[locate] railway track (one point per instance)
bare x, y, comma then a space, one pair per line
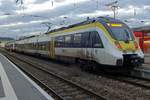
130, 79
60, 88
145, 83
137, 81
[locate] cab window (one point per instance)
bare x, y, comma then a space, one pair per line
96, 41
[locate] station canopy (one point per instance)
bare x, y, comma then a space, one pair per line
145, 29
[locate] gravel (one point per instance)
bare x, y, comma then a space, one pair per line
111, 89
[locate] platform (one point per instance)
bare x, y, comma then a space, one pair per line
147, 59
15, 85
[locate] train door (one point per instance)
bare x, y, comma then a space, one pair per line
98, 51
86, 42
52, 48
89, 49
95, 46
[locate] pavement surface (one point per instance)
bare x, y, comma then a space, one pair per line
2, 94
15, 85
147, 59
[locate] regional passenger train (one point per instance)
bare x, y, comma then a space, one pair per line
102, 40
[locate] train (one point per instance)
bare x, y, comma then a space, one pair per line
97, 41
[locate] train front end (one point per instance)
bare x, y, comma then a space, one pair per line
125, 48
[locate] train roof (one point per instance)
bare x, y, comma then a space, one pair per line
22, 38
102, 20
142, 29
88, 21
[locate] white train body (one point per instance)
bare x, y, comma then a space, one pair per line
98, 46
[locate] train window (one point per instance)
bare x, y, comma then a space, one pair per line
96, 40
121, 33
40, 46
43, 46
68, 40
47, 45
85, 39
37, 46
77, 40
59, 41
30, 45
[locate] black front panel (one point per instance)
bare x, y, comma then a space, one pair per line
132, 60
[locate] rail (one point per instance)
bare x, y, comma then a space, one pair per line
86, 91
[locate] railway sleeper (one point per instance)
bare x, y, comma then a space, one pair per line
70, 89
59, 91
84, 97
67, 98
76, 93
66, 87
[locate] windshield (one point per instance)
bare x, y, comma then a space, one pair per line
121, 33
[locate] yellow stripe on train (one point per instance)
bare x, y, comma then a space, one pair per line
125, 46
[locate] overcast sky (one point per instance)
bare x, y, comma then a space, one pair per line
21, 20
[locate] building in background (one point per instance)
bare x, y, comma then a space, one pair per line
143, 37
